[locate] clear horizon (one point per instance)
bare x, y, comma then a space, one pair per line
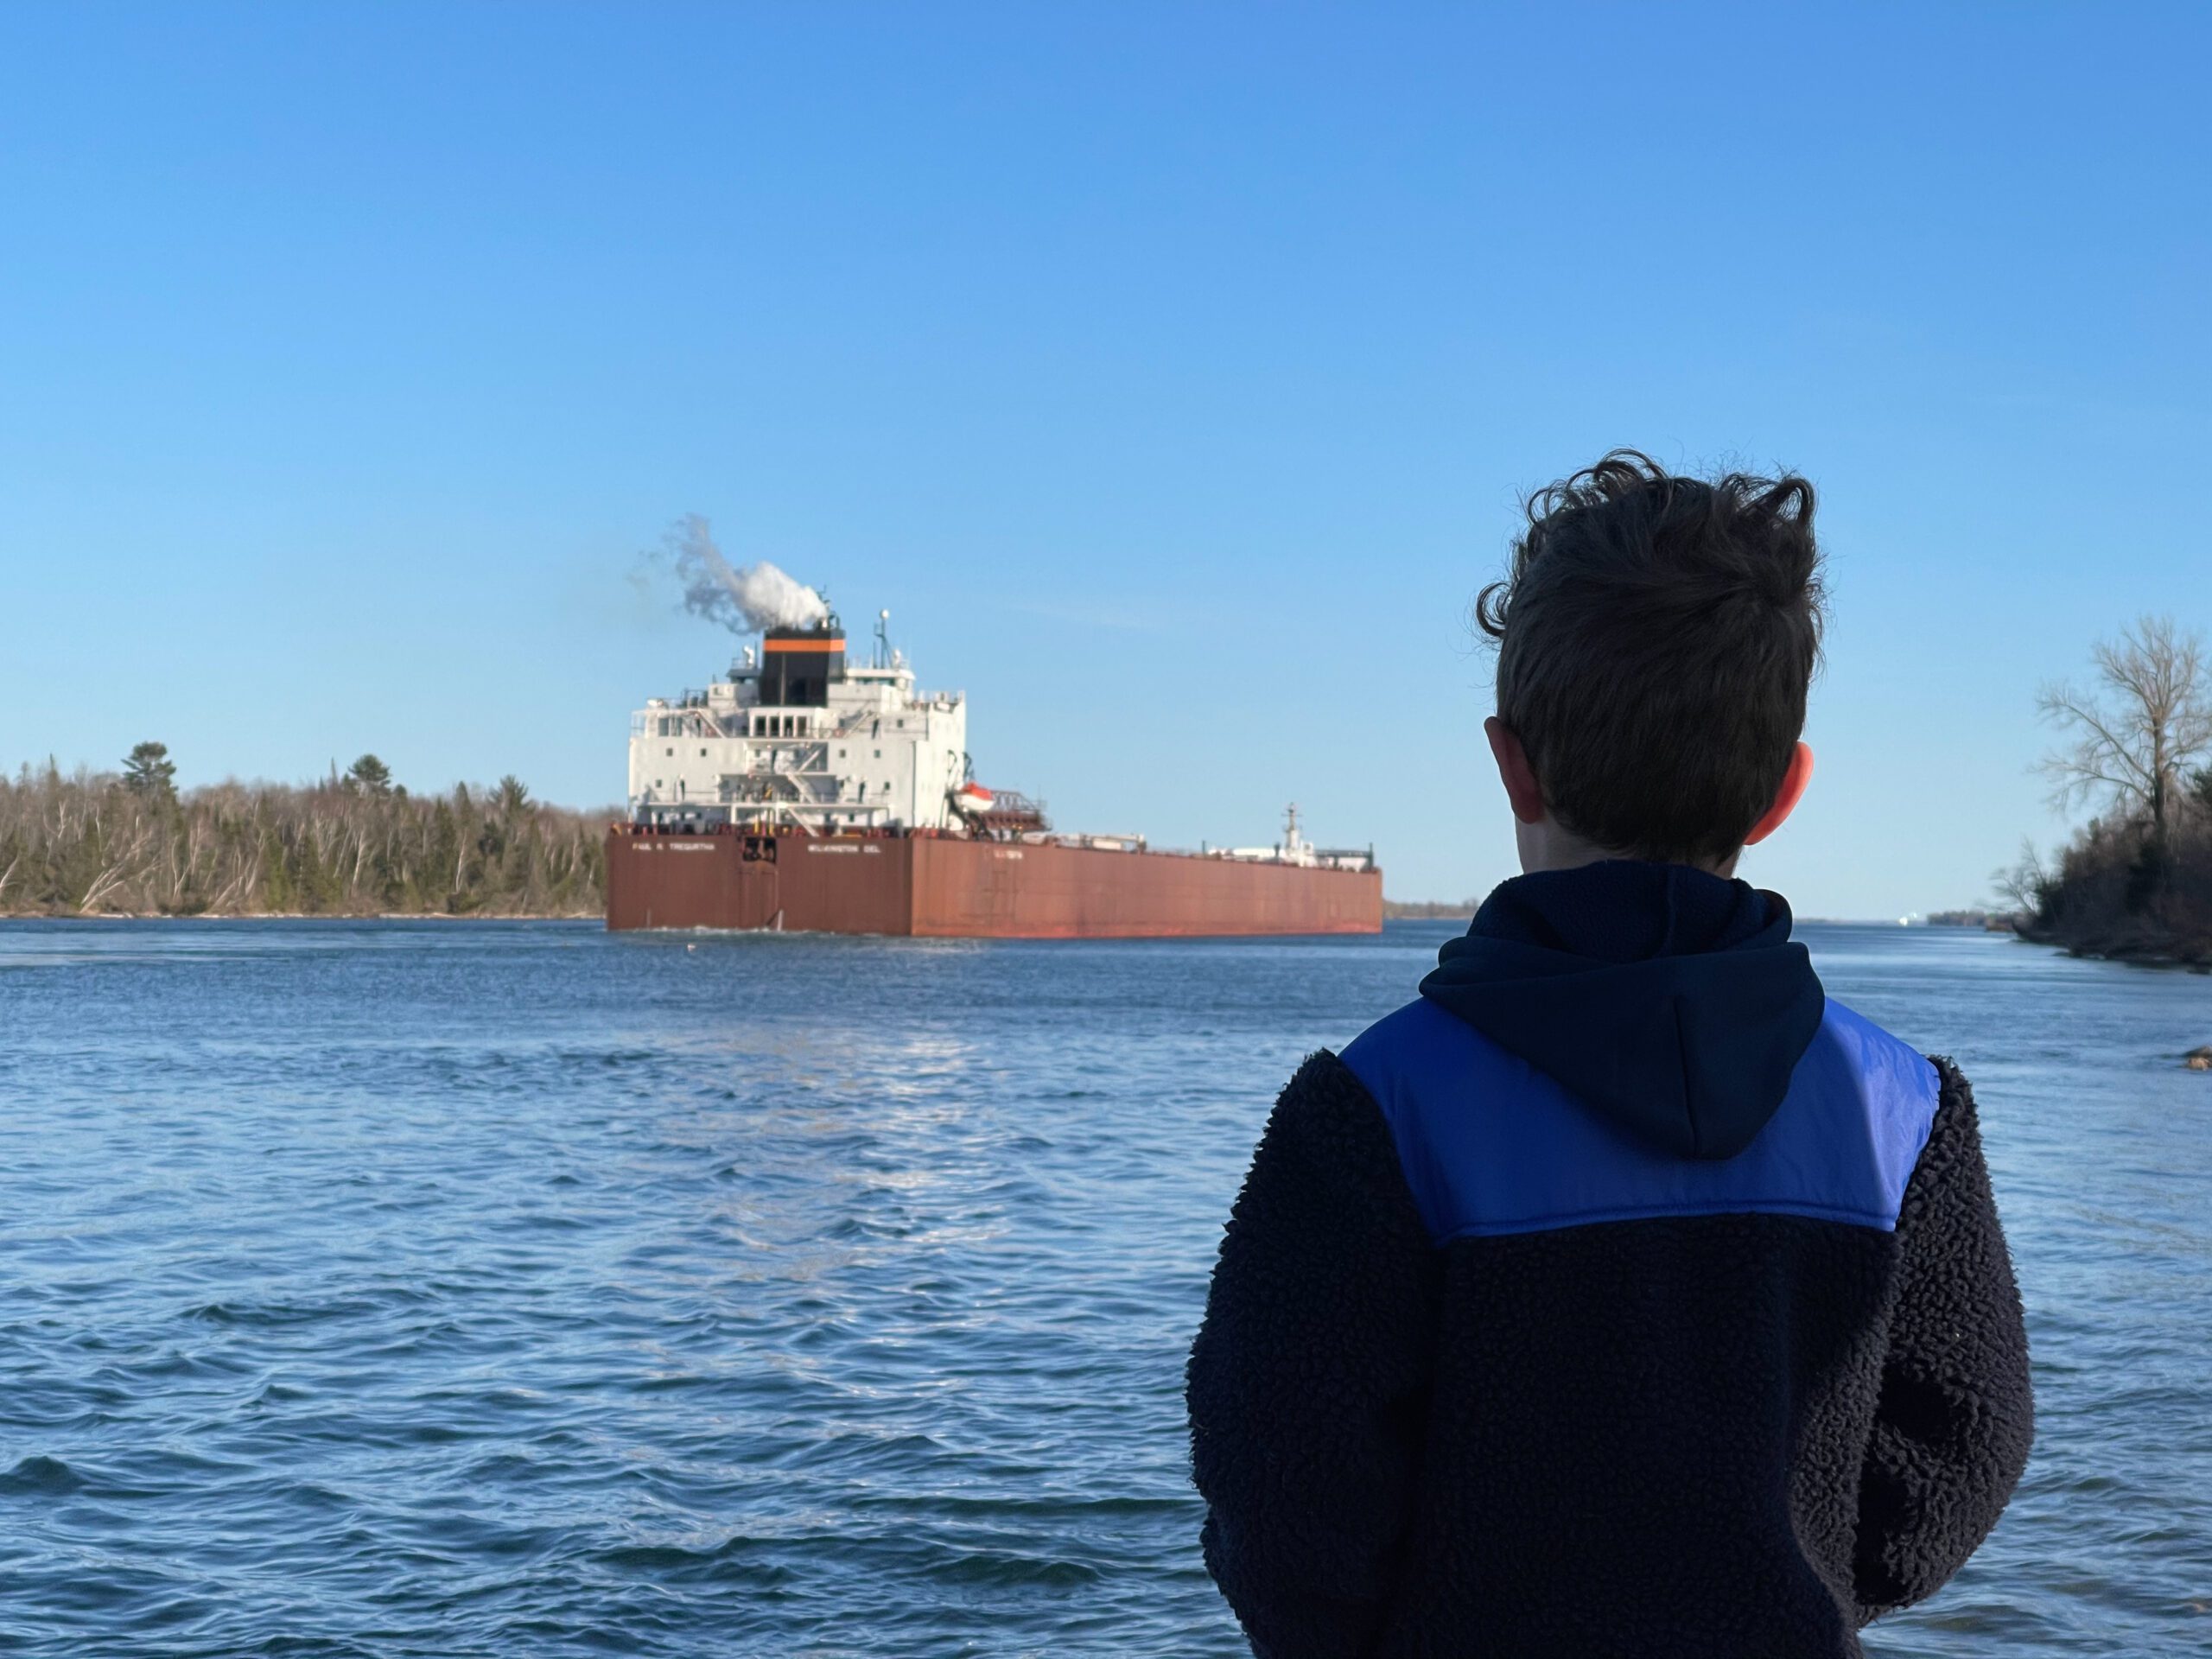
1171, 376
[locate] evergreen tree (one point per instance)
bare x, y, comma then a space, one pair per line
150, 772
369, 776
278, 890
440, 851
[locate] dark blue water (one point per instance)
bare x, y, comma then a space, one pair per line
511, 1290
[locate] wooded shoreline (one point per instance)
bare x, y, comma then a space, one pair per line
104, 844
93, 918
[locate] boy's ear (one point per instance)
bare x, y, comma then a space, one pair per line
1513, 770
1786, 797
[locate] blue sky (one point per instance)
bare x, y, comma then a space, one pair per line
1172, 372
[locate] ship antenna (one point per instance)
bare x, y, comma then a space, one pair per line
882, 658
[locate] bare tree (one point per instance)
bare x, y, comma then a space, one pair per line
2139, 733
2027, 884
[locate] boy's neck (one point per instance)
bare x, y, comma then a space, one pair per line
1545, 845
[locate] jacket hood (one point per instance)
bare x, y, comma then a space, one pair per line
1672, 1000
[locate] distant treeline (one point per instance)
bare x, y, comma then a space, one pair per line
2137, 881
1427, 910
131, 843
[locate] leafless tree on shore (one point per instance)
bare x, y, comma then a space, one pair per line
2136, 737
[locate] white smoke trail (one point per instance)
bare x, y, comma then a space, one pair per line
745, 599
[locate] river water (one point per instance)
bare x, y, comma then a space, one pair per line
433, 1288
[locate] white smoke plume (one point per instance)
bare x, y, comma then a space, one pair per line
746, 599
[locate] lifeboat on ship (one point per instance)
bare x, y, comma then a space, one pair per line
997, 811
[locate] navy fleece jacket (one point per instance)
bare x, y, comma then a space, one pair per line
1621, 1294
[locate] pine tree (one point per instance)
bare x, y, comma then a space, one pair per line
150, 772
369, 776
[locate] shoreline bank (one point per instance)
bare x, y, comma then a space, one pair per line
2143, 951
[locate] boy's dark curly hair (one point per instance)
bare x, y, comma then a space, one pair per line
1656, 636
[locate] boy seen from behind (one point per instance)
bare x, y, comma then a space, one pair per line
1621, 1294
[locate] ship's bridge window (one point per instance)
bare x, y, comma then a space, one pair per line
879, 755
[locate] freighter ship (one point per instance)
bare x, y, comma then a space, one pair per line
804, 792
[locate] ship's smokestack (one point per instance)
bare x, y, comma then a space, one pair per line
748, 599
799, 664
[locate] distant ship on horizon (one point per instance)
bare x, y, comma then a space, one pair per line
804, 792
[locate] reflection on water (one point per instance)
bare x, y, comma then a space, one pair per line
422, 1288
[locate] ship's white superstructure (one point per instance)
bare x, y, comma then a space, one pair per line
795, 737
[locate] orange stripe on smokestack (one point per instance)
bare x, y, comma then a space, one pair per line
830, 643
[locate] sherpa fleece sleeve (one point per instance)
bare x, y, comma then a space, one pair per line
1955, 1417
1308, 1380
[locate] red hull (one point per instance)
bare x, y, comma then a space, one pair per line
950, 889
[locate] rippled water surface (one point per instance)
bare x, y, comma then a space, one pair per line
513, 1289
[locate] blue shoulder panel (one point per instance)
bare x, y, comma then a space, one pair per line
1490, 1145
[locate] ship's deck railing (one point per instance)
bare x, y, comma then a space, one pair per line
1356, 861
